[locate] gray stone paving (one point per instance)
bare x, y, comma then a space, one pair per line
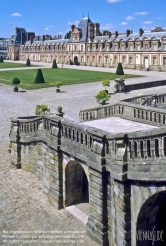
23, 206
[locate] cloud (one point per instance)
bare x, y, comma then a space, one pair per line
141, 13
114, 1
160, 18
47, 29
147, 22
71, 23
130, 17
108, 26
123, 23
16, 14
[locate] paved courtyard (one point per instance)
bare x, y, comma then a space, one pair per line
25, 213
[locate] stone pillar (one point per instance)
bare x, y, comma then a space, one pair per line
97, 221
55, 191
119, 214
15, 143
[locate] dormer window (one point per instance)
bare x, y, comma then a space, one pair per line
164, 46
146, 46
122, 47
154, 47
131, 47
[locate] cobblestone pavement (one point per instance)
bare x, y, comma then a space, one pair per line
23, 205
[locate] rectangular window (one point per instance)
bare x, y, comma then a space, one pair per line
94, 48
87, 59
122, 47
164, 61
131, 47
93, 59
154, 61
124, 59
82, 47
106, 59
75, 48
154, 47
99, 59
115, 60
100, 48
130, 60
115, 47
69, 48
82, 59
88, 48
164, 46
146, 46
138, 46
107, 48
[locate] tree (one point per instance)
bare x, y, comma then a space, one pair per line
41, 108
102, 95
54, 64
28, 63
106, 82
119, 70
15, 82
39, 77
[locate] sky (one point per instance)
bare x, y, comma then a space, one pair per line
55, 17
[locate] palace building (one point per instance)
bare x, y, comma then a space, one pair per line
142, 50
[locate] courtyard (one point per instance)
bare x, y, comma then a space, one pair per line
23, 205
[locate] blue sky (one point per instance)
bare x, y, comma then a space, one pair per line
55, 17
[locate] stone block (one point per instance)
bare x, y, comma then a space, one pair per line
96, 193
96, 200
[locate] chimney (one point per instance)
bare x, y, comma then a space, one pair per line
50, 38
116, 34
72, 28
43, 38
31, 39
38, 37
96, 29
141, 31
109, 34
22, 38
128, 32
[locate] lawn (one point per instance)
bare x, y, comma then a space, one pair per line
12, 65
66, 76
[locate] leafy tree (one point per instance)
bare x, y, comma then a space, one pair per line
102, 95
28, 63
41, 108
54, 64
39, 77
76, 61
58, 84
106, 83
119, 70
16, 82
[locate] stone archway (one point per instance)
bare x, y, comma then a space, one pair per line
76, 184
151, 222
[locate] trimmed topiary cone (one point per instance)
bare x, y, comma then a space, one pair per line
54, 64
119, 70
28, 63
39, 77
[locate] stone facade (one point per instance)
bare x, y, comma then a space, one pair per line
121, 175
142, 50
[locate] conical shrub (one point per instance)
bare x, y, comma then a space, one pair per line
39, 77
54, 64
119, 70
1, 59
28, 63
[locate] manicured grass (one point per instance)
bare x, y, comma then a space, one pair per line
66, 76
13, 65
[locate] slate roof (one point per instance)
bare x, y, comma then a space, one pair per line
48, 42
83, 27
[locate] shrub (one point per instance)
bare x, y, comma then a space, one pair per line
58, 84
71, 63
15, 81
119, 70
102, 95
1, 59
106, 83
76, 61
39, 77
54, 64
41, 108
28, 63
